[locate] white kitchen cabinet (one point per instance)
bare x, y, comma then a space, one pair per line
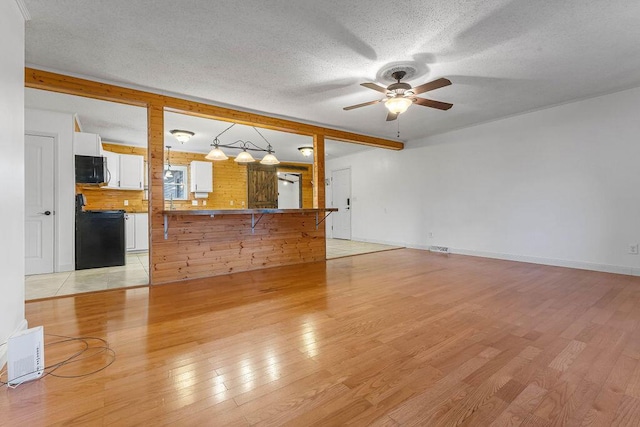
113, 169
131, 172
201, 177
142, 231
126, 171
129, 232
136, 230
87, 144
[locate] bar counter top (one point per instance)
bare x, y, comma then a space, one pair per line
196, 212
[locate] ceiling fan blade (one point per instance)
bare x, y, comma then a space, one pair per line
391, 116
374, 87
364, 104
433, 104
436, 84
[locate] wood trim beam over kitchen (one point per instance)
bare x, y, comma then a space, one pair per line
39, 79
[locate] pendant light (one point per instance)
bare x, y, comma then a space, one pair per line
168, 174
269, 159
244, 157
216, 152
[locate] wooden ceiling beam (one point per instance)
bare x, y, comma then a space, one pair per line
46, 80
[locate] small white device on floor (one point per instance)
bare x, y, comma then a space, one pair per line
25, 356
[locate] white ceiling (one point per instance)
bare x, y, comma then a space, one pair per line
305, 59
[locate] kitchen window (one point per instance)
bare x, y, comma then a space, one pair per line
175, 183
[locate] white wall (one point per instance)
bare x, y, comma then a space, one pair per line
559, 186
12, 316
59, 126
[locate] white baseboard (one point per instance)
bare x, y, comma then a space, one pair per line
380, 242
582, 265
65, 267
23, 326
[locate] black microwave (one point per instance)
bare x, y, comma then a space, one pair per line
91, 170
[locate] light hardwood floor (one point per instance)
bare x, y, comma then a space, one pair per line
402, 337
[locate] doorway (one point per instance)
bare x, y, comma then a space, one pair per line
289, 190
100, 129
341, 199
39, 204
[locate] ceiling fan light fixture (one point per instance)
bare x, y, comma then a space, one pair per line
182, 135
244, 157
216, 154
306, 151
269, 159
398, 104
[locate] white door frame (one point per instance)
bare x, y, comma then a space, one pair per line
56, 201
333, 203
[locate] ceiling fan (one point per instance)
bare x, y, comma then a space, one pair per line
401, 95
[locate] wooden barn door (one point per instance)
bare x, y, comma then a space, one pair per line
263, 186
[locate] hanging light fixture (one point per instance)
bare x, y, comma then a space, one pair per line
168, 174
244, 157
216, 152
182, 135
306, 151
398, 104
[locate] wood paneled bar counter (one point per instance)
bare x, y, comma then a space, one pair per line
203, 243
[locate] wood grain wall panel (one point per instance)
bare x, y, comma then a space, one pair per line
104, 199
229, 183
205, 246
125, 149
155, 123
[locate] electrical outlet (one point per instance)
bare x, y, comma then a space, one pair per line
126, 203
230, 202
633, 249
243, 203
431, 234
204, 203
194, 203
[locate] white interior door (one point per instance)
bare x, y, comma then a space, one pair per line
341, 199
39, 204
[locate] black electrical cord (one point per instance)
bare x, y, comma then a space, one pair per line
74, 358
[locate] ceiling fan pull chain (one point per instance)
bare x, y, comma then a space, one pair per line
398, 127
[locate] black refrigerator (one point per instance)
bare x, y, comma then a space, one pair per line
100, 240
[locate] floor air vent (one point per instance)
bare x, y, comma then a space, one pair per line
439, 249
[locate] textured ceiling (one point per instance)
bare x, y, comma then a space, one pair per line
305, 59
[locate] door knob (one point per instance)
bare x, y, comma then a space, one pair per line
45, 213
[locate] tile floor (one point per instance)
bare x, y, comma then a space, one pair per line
338, 248
134, 273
